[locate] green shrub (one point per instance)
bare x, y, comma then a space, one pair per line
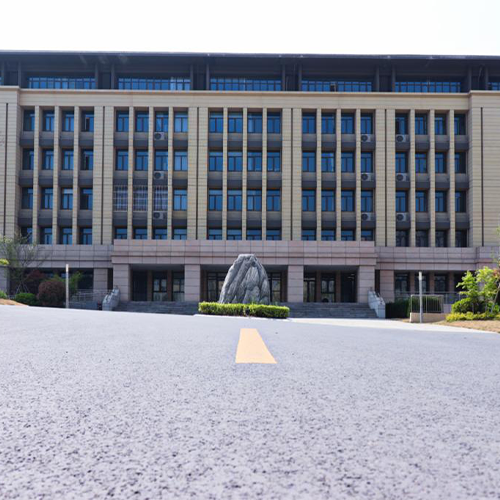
462, 306
258, 310
3, 295
52, 293
470, 316
26, 298
397, 309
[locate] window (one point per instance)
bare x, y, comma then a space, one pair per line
401, 201
234, 234
402, 239
121, 159
86, 198
460, 127
215, 234
61, 82
367, 201
460, 163
367, 162
234, 200
328, 235
255, 123
274, 200
421, 204
366, 124
48, 121
461, 238
420, 124
328, 123
273, 234
141, 161
142, 121
28, 159
161, 160
46, 236
65, 236
181, 122
122, 121
140, 233
160, 198
347, 159
328, 200
180, 199
68, 124
254, 234
87, 121
308, 200
309, 123
87, 159
441, 201
367, 235
120, 233
215, 199
440, 283
347, 201
159, 233
67, 157
152, 83
235, 161
140, 199
27, 199
428, 86
440, 162
308, 234
235, 123
161, 122
401, 163
86, 236
347, 123
254, 161
274, 123
440, 124
347, 235
328, 161
180, 161
401, 283
47, 197
66, 199
421, 163
254, 200
308, 161
242, 83
27, 234
215, 161
460, 201
441, 239
422, 238
273, 161
401, 123
336, 86
216, 123
180, 233
29, 120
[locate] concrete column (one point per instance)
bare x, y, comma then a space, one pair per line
297, 175
98, 175
55, 183
170, 172
387, 285
431, 162
203, 174
357, 169
4, 280
244, 176
412, 208
192, 282
76, 170
319, 185
192, 173
151, 167
286, 176
225, 116
451, 174
122, 279
264, 173
295, 283
366, 282
36, 172
390, 178
338, 174
130, 177
100, 278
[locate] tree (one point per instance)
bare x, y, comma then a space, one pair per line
470, 288
19, 255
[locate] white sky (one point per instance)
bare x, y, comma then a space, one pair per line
276, 26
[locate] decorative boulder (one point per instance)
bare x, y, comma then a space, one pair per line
246, 282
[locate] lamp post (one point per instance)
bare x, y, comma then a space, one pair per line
67, 286
420, 277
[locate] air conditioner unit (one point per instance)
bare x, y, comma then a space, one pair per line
402, 138
367, 138
160, 136
367, 216
159, 176
402, 217
367, 176
160, 215
402, 177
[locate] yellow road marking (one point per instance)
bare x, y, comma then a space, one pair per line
251, 348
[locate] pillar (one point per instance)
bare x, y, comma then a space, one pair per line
192, 282
295, 283
387, 285
122, 276
100, 279
366, 282
4, 281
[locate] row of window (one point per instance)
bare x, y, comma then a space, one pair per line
67, 159
235, 123
422, 124
65, 235
441, 282
66, 198
48, 121
422, 201
422, 238
440, 160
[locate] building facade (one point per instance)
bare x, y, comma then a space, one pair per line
343, 174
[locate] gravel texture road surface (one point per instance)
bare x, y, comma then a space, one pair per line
123, 405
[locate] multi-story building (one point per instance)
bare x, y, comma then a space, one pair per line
152, 172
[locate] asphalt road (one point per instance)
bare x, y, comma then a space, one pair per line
123, 405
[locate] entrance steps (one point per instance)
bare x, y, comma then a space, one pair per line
336, 310
185, 308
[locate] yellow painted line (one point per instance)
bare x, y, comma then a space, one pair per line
252, 349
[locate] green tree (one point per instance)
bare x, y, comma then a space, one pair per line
470, 289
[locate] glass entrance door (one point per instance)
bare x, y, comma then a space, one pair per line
327, 288
275, 287
139, 285
309, 288
215, 281
348, 287
160, 287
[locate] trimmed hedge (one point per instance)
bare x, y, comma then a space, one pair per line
26, 298
3, 295
257, 310
398, 309
470, 316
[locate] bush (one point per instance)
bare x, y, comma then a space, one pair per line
3, 295
470, 316
258, 310
52, 293
462, 306
33, 281
26, 298
398, 309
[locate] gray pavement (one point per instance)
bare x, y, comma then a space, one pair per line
124, 405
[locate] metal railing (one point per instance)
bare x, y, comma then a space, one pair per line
449, 298
431, 303
82, 296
